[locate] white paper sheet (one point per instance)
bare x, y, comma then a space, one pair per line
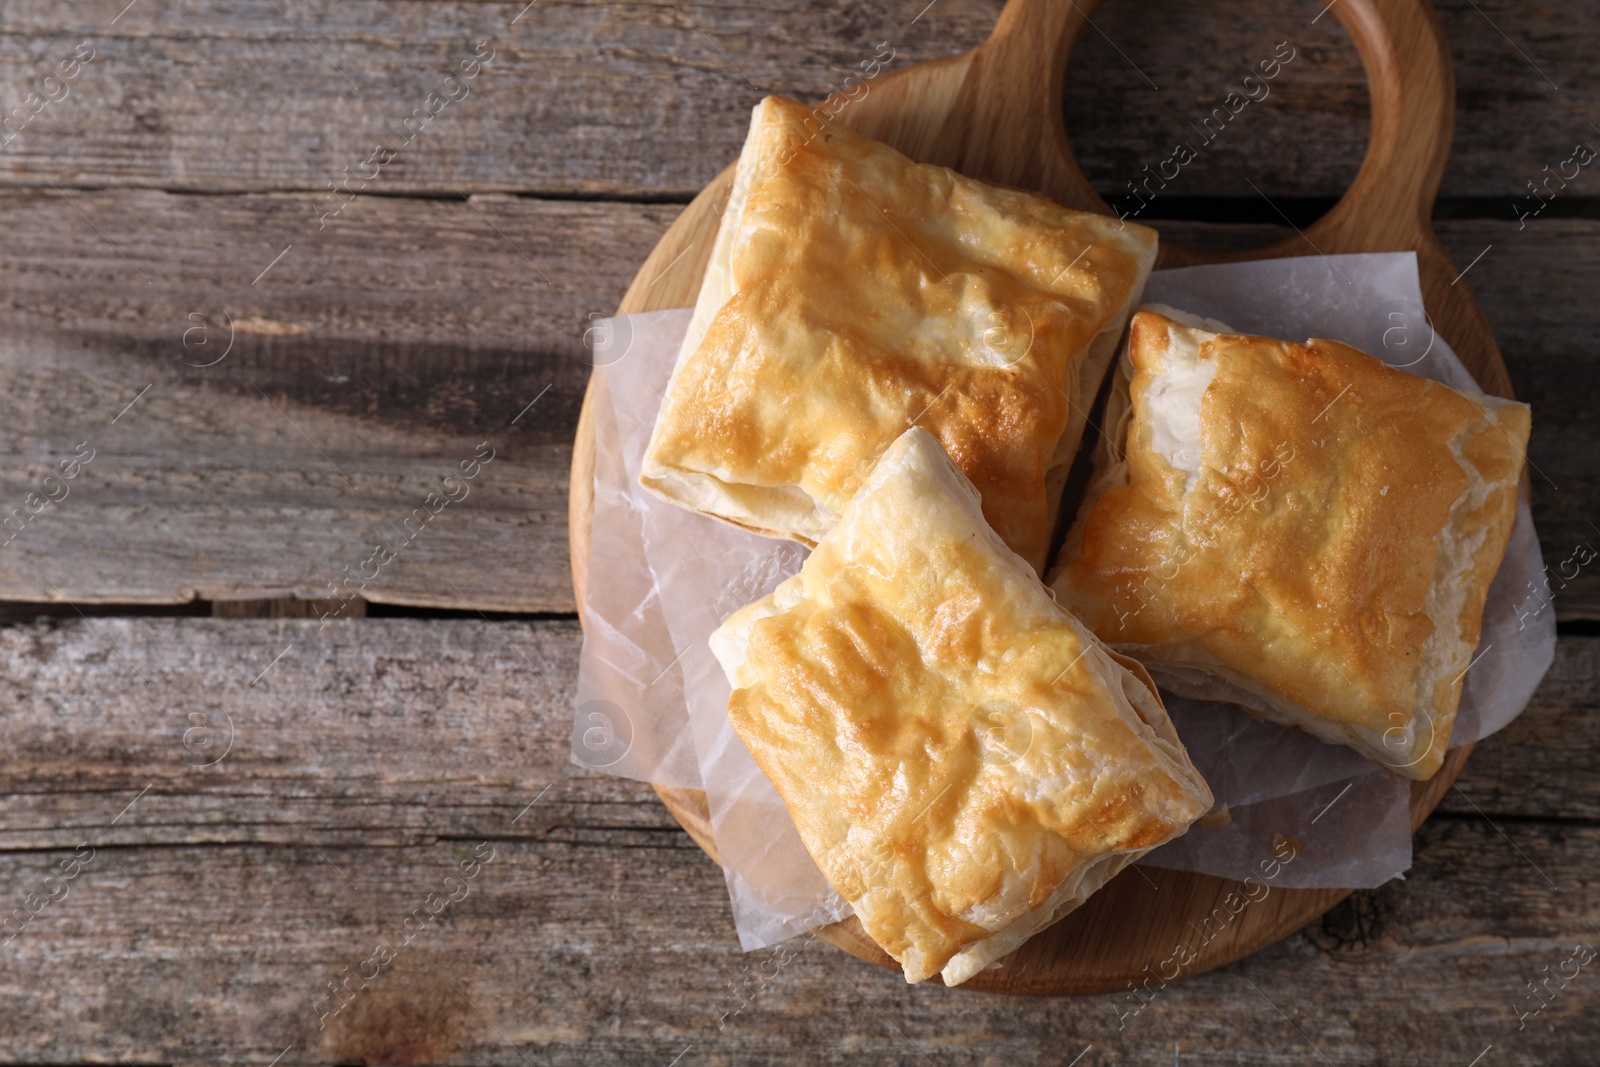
656, 552
629, 717
1349, 817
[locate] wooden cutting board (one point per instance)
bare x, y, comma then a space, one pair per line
995, 113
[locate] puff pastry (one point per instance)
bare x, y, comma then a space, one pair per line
963, 759
853, 293
1296, 528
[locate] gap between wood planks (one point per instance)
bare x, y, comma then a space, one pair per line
13, 612
17, 612
1237, 210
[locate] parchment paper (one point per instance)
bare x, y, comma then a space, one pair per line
665, 698
629, 717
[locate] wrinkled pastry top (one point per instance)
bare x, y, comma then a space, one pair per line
954, 748
1329, 494
870, 294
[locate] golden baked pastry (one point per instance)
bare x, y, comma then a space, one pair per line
853, 293
963, 759
1296, 528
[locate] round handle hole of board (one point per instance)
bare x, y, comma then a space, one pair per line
1409, 81
1257, 94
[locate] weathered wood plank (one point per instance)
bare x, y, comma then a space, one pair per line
432, 736
398, 731
1541, 766
1531, 284
652, 99
369, 730
558, 953
445, 317
1155, 72
405, 339
615, 99
409, 331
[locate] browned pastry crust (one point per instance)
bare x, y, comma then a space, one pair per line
1314, 538
963, 759
853, 293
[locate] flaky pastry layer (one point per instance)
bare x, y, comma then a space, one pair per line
1297, 528
963, 759
853, 293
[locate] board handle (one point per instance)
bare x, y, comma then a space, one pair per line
1015, 79
1005, 124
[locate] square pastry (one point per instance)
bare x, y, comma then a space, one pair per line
963, 759
853, 293
1297, 528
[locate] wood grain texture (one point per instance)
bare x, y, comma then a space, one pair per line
1541, 766
389, 731
377, 731
364, 366
408, 323
442, 316
381, 751
635, 99
645, 99
1135, 88
611, 943
593, 953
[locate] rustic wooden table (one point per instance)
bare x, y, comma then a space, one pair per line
277, 292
